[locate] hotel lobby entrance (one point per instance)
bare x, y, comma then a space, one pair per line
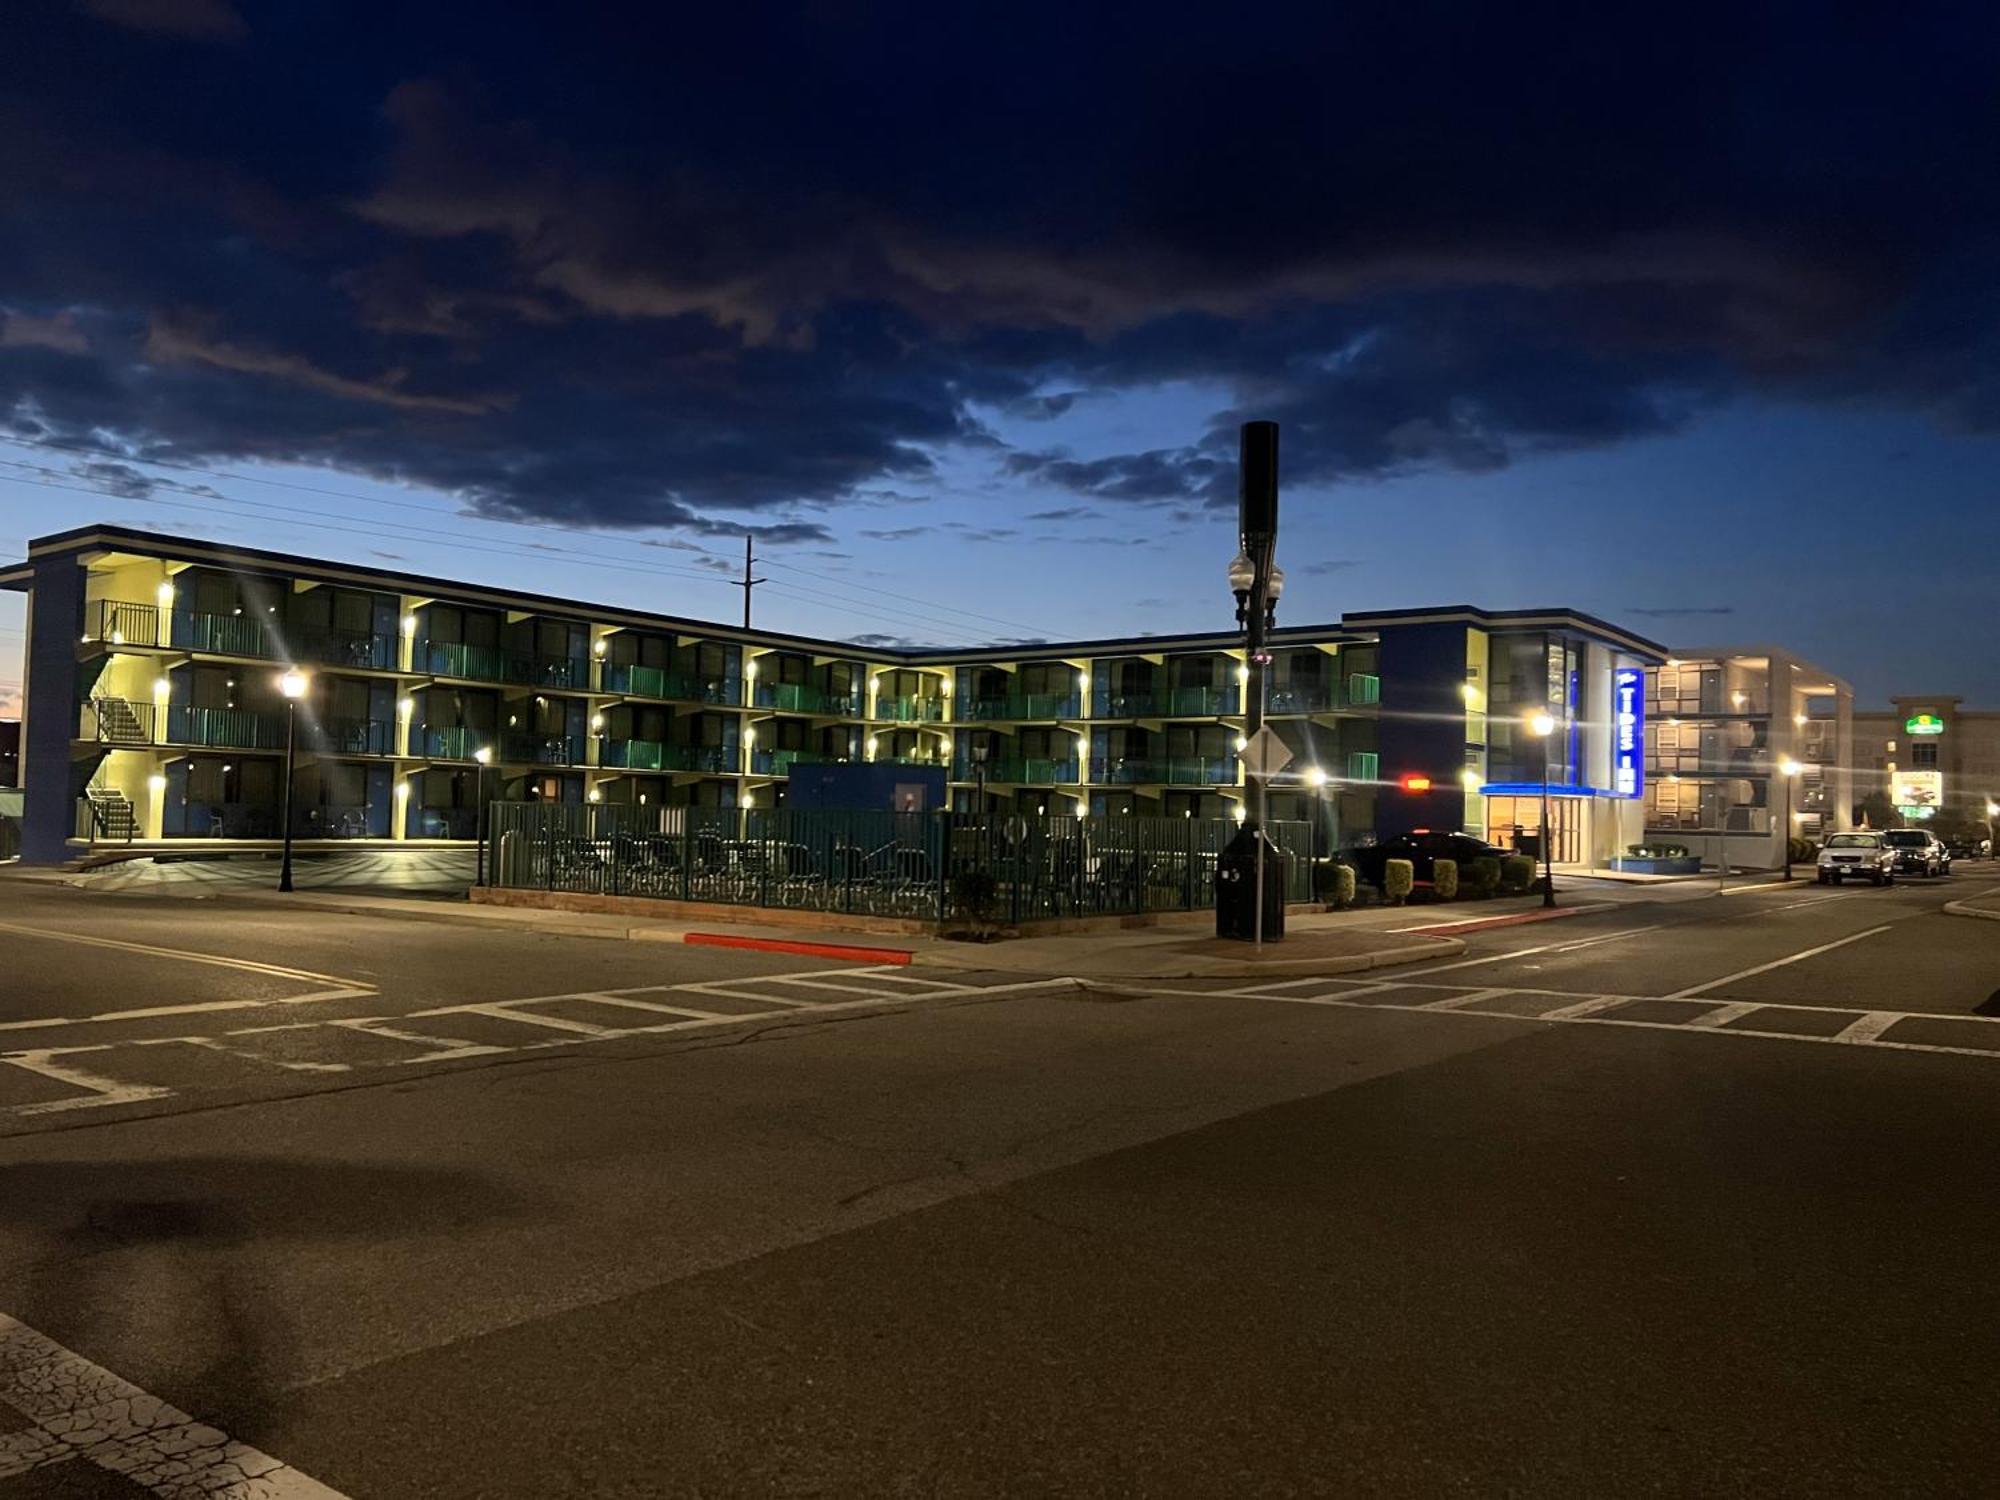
1516, 823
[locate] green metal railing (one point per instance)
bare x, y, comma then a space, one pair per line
911, 710
880, 863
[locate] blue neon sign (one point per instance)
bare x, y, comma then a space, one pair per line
1628, 732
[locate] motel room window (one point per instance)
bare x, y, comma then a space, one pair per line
1924, 753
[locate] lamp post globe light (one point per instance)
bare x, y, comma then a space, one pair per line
1788, 770
1542, 725
292, 684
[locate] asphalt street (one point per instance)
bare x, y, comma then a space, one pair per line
1691, 1194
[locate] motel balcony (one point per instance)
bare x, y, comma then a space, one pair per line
667, 686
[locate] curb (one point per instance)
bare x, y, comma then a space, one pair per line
847, 951
1960, 909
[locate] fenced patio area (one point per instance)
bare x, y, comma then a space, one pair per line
908, 865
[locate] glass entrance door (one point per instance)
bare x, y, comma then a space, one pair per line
1516, 823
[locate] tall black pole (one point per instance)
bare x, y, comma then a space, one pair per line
1786, 831
1257, 513
291, 748
479, 827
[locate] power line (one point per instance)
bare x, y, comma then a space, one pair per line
314, 489
402, 532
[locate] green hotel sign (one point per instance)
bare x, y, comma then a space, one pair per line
1923, 724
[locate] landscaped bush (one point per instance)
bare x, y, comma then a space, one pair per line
1517, 872
1657, 851
1398, 876
1343, 887
1482, 878
1444, 879
1803, 851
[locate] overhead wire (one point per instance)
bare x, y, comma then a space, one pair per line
81, 450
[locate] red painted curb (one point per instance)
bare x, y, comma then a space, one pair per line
1516, 919
810, 950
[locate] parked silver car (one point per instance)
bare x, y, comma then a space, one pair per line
1857, 856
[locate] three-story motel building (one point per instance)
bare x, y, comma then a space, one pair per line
154, 717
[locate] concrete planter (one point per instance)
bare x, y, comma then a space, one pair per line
1632, 865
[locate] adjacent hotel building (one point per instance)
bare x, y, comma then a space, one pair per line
154, 713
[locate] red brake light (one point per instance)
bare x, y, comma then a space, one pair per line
1415, 782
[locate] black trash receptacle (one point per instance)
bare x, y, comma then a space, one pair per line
1236, 888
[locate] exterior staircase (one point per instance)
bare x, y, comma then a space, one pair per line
111, 815
118, 723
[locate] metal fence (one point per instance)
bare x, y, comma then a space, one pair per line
874, 863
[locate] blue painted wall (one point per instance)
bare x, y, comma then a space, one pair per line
864, 786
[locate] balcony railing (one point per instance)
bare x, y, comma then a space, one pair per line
1179, 770
1200, 702
122, 624
225, 728
456, 659
340, 648
1021, 771
549, 671
450, 741
225, 635
1023, 706
659, 682
1709, 705
911, 710
527, 748
910, 760
652, 755
350, 736
804, 698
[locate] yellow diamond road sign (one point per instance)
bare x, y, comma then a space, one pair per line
1265, 754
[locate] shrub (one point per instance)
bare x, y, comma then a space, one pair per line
1482, 877
1326, 881
1444, 879
1397, 878
1343, 887
1803, 851
1517, 872
1657, 851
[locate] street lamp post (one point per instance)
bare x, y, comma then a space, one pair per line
483, 755
293, 685
1542, 725
1256, 581
979, 750
1788, 769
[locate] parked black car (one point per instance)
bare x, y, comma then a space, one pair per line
1422, 850
1969, 845
1918, 852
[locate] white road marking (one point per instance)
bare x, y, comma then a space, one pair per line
605, 998
248, 1054
247, 965
1777, 963
1490, 958
1722, 1015
193, 1008
1454, 1002
725, 988
98, 1092
1608, 937
1582, 1008
82, 1410
507, 1013
444, 1047
1868, 1027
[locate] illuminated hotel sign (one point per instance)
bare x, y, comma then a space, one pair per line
1917, 794
1924, 724
1628, 735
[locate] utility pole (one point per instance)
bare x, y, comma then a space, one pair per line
748, 582
1256, 580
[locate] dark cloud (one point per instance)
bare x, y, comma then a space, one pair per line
1062, 513
697, 265
192, 20
898, 533
1328, 565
